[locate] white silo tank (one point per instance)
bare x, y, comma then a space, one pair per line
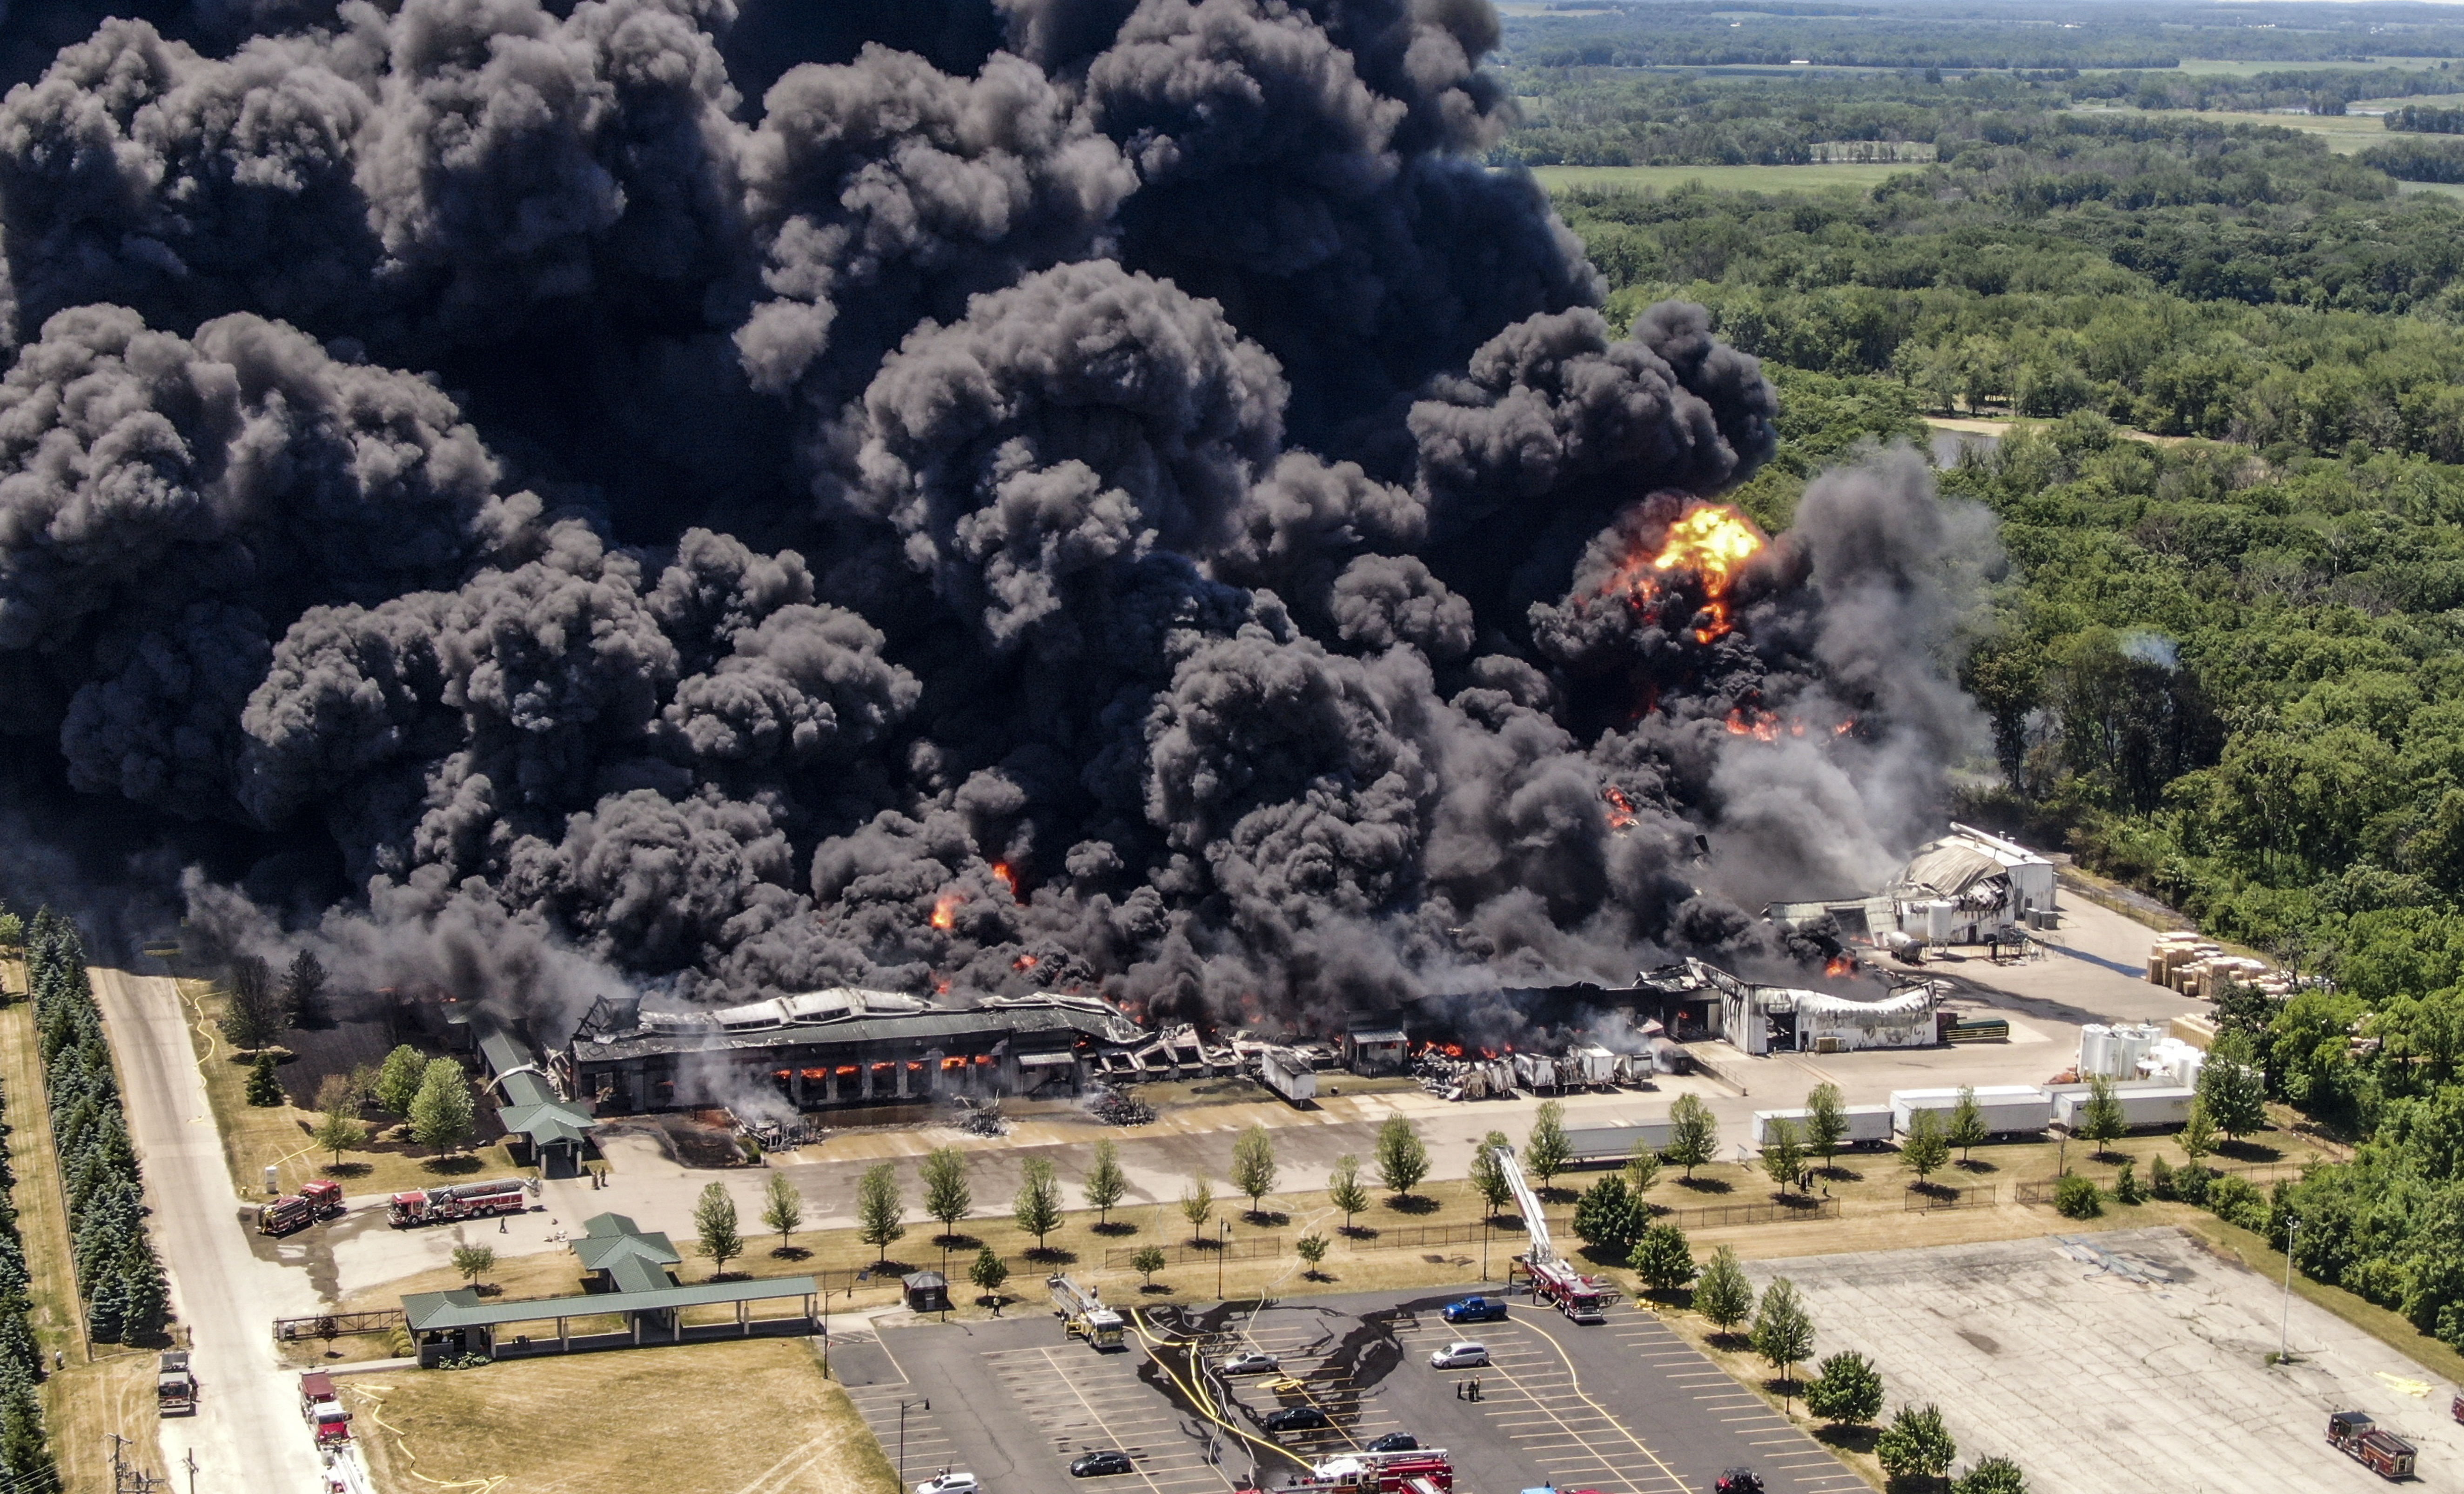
2095, 1049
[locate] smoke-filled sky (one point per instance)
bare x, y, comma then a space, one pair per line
986, 495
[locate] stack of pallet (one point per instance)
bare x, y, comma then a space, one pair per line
2200, 969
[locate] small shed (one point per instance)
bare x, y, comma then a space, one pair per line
1375, 1045
926, 1291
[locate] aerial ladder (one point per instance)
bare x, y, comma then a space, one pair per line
1085, 1314
1585, 1299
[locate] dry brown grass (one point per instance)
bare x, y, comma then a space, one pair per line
254, 1137
757, 1418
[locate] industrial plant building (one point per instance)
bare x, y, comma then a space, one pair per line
835, 1048
1963, 888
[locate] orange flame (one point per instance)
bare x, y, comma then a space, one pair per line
1762, 725
1712, 540
945, 910
1008, 878
1620, 809
1024, 962
1839, 965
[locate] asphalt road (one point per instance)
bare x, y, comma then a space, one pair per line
247, 1434
1623, 1408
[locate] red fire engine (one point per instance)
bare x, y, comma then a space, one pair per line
461, 1202
1425, 1471
322, 1199
1585, 1299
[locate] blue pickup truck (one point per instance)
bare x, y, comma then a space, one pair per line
1475, 1310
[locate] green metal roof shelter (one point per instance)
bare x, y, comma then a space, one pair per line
555, 1130
457, 1323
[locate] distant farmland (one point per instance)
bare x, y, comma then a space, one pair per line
1858, 175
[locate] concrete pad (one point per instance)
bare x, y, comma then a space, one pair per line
2122, 1362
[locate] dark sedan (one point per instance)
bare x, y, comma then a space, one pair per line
1094, 1465
1297, 1418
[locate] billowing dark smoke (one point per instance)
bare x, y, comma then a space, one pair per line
1064, 493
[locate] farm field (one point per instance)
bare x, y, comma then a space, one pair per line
1857, 175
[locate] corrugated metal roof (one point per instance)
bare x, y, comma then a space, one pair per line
921, 1026
461, 1307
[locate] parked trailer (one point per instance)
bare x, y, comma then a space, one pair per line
2361, 1440
460, 1201
2010, 1109
1588, 1145
1287, 1074
1868, 1125
2142, 1106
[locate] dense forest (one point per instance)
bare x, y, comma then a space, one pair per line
2226, 661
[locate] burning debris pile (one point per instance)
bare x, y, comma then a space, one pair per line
1112, 1108
555, 498
982, 1117
1447, 1072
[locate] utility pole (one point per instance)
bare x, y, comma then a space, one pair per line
1222, 1248
2284, 1329
192, 1470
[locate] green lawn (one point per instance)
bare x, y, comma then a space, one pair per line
1857, 175
2442, 188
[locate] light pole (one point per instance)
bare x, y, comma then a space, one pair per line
926, 1404
2284, 1329
1222, 1248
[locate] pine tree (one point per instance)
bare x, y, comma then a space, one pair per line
264, 1084
303, 992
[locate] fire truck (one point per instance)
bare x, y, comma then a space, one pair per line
322, 1199
322, 1409
1084, 1315
461, 1202
2372, 1446
1585, 1299
1426, 1470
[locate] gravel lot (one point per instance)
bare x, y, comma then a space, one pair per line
2126, 1361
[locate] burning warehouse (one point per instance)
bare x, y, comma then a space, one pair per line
835, 1048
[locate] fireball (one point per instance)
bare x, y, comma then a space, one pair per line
1006, 877
1620, 809
1712, 540
945, 910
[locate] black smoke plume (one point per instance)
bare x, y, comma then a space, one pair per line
527, 496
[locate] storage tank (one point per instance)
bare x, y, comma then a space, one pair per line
2010, 1109
2130, 1045
2095, 1049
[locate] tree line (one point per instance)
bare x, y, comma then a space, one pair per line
119, 1276
25, 1451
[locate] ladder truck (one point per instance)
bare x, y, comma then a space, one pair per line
1084, 1315
1585, 1299
461, 1202
1426, 1471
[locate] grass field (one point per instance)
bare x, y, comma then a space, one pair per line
2345, 134
758, 1418
2253, 69
2423, 101
1855, 176
104, 1389
254, 1137
2442, 188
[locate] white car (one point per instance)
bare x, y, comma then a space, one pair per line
1464, 1355
949, 1483
1254, 1362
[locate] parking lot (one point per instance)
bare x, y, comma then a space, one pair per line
2128, 1362
1623, 1408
